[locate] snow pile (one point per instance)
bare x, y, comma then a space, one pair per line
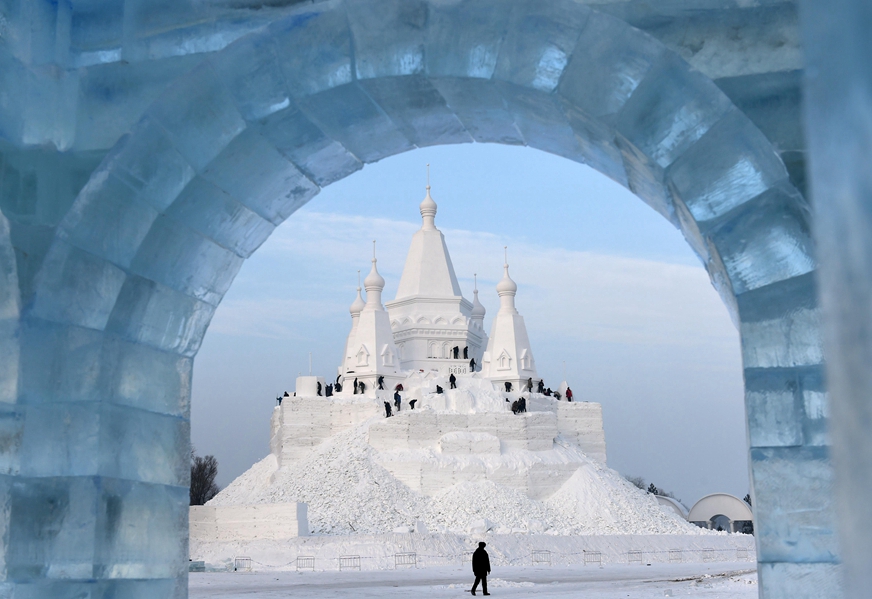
349, 492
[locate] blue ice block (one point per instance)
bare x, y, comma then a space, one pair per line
209, 120
481, 108
274, 187
214, 213
350, 117
596, 142
464, 38
96, 31
255, 80
183, 259
542, 121
319, 157
645, 178
419, 109
765, 240
540, 39
61, 439
791, 580
731, 164
160, 317
388, 36
773, 403
313, 50
77, 287
609, 62
108, 220
670, 110
147, 161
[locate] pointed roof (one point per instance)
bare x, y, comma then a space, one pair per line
428, 271
478, 310
358, 303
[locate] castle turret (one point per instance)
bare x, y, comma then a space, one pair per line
372, 353
509, 357
430, 317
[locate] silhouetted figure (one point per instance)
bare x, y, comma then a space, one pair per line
568, 394
381, 383
465, 352
557, 395
412, 403
438, 389
397, 400
387, 410
548, 392
287, 394
530, 384
481, 568
318, 391
356, 386
328, 392
472, 364
279, 399
541, 388
338, 386
362, 387
522, 405
456, 351
514, 406
452, 380
508, 387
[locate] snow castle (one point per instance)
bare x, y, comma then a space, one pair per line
451, 459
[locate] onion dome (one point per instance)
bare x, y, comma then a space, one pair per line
478, 310
506, 286
357, 306
428, 211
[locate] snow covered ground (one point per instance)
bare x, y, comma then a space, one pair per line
705, 581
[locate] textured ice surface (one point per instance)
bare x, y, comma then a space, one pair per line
209, 149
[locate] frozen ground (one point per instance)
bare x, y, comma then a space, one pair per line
714, 581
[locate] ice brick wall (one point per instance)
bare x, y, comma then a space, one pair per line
582, 424
117, 287
302, 423
240, 523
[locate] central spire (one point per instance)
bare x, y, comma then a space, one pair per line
428, 208
374, 283
507, 288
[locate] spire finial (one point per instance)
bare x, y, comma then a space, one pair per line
428, 175
358, 279
475, 283
373, 250
506, 254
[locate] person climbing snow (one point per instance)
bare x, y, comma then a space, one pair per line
387, 410
412, 403
381, 383
397, 400
452, 380
481, 568
472, 364
508, 387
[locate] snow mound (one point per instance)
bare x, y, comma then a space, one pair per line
349, 492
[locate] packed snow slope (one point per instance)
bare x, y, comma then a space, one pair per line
349, 492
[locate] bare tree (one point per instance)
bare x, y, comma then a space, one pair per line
638, 481
203, 473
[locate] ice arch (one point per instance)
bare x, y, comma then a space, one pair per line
155, 238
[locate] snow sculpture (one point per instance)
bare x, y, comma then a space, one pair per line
147, 152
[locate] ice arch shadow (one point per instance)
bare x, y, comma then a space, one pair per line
157, 235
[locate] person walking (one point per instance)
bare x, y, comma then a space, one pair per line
453, 381
472, 365
397, 400
481, 568
568, 394
381, 383
356, 387
387, 410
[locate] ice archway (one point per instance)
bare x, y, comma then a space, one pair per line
156, 236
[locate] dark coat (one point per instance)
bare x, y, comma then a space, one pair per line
480, 563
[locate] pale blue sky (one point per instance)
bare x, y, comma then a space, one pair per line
605, 284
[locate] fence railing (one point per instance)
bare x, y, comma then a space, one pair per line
541, 557
349, 562
708, 555
676, 556
593, 557
634, 557
742, 553
242, 564
406, 559
306, 562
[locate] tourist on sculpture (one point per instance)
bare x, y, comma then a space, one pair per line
387, 410
508, 387
438, 389
279, 400
465, 352
399, 387
568, 394
453, 381
397, 400
362, 386
530, 384
522, 404
472, 365
412, 403
456, 351
548, 391
337, 387
356, 386
481, 568
381, 383
318, 392
328, 392
515, 405
541, 388
557, 395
